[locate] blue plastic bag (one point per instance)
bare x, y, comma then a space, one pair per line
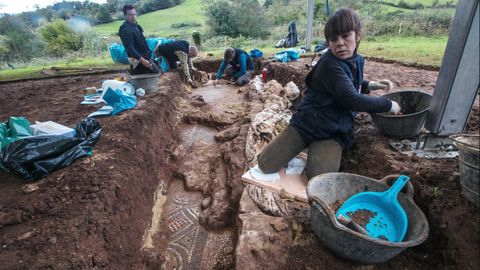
287, 55
256, 53
119, 100
119, 54
163, 64
14, 129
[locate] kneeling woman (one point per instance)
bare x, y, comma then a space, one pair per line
335, 92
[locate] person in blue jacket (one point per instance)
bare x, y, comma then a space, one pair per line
335, 93
237, 64
131, 34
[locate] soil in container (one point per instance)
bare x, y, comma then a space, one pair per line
362, 216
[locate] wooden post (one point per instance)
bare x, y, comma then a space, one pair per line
458, 80
310, 7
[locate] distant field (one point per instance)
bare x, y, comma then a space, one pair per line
411, 50
159, 23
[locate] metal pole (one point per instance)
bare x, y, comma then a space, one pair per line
310, 7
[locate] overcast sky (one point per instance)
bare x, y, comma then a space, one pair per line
17, 6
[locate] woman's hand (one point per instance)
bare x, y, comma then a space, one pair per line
395, 109
145, 62
386, 85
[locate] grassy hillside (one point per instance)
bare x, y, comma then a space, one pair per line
424, 50
159, 23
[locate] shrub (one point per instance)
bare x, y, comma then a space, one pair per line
103, 15
197, 39
185, 24
235, 18
153, 5
281, 13
18, 41
416, 5
60, 38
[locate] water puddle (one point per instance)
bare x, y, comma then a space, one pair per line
159, 202
216, 94
222, 98
193, 133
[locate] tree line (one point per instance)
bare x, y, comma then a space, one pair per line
62, 27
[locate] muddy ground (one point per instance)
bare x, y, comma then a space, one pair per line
181, 152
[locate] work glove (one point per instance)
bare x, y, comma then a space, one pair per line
395, 109
386, 85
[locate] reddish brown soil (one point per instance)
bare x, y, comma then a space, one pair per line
454, 238
94, 213
362, 216
336, 205
382, 237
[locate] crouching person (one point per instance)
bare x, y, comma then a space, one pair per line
181, 51
236, 64
335, 93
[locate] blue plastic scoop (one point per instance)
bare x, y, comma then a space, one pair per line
379, 213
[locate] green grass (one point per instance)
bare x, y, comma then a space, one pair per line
423, 2
410, 50
158, 23
34, 70
424, 11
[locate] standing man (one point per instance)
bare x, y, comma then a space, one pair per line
135, 44
237, 64
179, 50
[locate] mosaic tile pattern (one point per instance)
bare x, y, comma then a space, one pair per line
190, 246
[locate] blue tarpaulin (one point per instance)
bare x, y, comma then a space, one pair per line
119, 55
256, 53
117, 101
287, 55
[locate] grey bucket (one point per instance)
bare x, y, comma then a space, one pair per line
415, 105
326, 189
145, 81
468, 146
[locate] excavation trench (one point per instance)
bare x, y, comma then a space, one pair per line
163, 188
200, 197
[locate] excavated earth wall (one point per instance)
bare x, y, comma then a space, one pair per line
94, 213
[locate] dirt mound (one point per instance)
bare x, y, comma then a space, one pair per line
94, 212
454, 237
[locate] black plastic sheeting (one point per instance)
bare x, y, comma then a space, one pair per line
35, 157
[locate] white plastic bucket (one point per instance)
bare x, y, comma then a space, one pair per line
126, 87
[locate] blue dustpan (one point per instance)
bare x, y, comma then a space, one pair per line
384, 216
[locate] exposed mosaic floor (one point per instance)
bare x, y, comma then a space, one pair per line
190, 246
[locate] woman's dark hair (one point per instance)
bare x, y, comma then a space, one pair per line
127, 8
342, 21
